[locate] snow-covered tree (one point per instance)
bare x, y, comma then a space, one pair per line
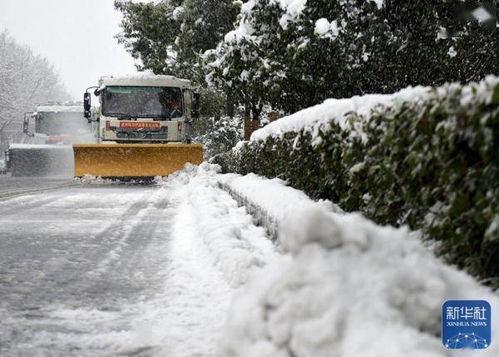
203, 25
292, 54
149, 33
169, 36
25, 80
220, 135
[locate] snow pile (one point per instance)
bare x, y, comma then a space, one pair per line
98, 180
352, 288
93, 180
237, 247
336, 110
269, 200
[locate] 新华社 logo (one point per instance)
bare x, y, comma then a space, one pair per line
466, 324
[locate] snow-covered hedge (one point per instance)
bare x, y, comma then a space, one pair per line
426, 157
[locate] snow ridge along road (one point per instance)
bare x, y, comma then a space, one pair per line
348, 287
105, 270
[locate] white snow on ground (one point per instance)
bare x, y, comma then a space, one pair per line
203, 249
236, 246
185, 315
344, 287
269, 206
349, 288
215, 248
84, 329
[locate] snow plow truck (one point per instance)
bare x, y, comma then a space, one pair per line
47, 151
142, 128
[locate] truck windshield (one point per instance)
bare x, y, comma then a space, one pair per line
142, 102
61, 123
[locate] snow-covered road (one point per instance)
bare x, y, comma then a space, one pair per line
177, 268
104, 270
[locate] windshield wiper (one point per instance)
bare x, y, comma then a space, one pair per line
121, 116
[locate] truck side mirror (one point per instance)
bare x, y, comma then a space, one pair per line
87, 105
196, 105
7, 159
26, 122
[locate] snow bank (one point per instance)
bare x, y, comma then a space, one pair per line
352, 288
237, 247
269, 200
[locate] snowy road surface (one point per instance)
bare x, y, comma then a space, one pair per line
177, 268
16, 186
104, 270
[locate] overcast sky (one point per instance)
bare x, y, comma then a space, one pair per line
74, 35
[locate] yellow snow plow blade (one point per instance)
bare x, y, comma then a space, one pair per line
134, 160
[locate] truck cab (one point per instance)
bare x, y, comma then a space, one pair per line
143, 109
58, 123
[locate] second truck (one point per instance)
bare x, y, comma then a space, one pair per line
46, 151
